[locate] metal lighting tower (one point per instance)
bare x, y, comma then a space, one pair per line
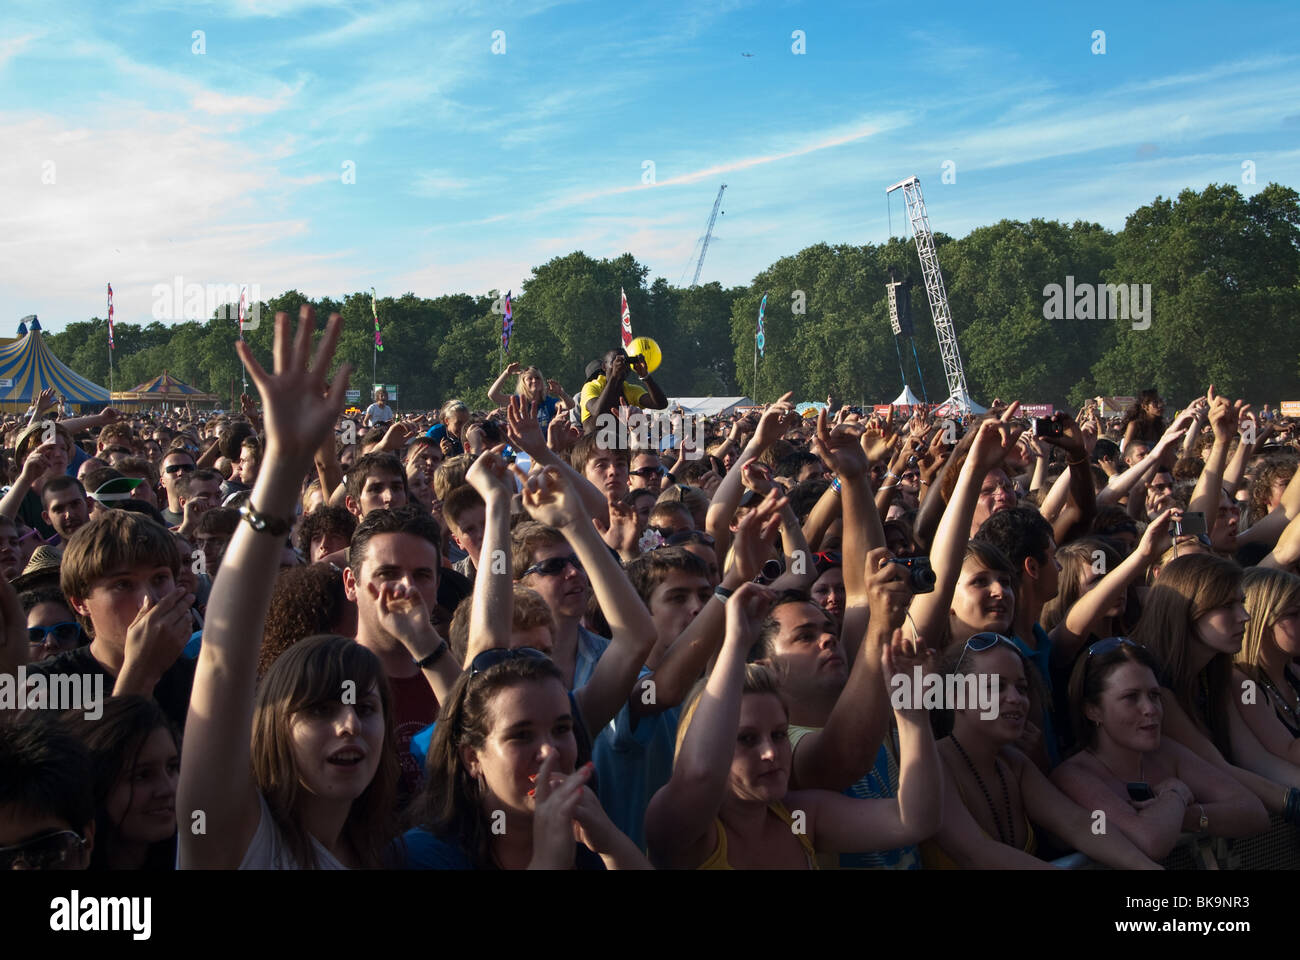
958, 395
708, 234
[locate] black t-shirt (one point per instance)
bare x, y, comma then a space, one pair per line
172, 692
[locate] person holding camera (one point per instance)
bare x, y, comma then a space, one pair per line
606, 388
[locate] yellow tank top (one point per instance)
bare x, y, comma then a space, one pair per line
717, 860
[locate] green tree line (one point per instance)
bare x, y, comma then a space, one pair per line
1223, 272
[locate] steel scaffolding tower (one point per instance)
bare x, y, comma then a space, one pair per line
958, 395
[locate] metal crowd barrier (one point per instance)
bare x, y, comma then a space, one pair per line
1277, 849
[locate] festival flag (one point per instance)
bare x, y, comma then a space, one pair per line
243, 310
626, 321
760, 338
374, 309
507, 324
110, 316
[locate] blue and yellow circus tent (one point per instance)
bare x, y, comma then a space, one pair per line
164, 388
27, 366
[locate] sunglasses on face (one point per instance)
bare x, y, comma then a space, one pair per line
828, 558
178, 468
648, 473
490, 658
57, 850
65, 634
688, 536
554, 566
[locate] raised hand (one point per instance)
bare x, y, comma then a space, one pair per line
396, 437
1156, 538
489, 474
622, 533
44, 400
746, 609
772, 424
522, 427
843, 449
513, 367
156, 638
992, 444
555, 805
403, 614
549, 498
561, 435
757, 477
900, 658
301, 406
888, 592
755, 533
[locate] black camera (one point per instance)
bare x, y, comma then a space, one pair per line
1192, 525
920, 576
1047, 427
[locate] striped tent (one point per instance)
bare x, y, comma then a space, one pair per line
164, 388
27, 366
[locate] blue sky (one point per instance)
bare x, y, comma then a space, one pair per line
472, 166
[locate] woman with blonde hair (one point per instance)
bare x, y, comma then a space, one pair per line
728, 805
1265, 664
532, 387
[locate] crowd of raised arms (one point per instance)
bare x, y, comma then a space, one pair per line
499, 640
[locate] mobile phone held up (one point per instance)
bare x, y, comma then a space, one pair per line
1047, 427
1139, 791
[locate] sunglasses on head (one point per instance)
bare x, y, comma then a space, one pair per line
1109, 644
50, 851
827, 558
554, 566
490, 658
987, 640
65, 634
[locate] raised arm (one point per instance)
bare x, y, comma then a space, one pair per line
34, 467
843, 824
839, 754
1077, 516
550, 499
679, 820
1223, 420
216, 775
524, 433
1088, 611
496, 392
491, 617
1122, 484
930, 610
727, 497
686, 659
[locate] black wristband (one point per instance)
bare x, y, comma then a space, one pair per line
432, 658
722, 593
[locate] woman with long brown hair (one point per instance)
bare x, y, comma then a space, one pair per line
1193, 622
1144, 421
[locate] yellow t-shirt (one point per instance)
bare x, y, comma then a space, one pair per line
592, 389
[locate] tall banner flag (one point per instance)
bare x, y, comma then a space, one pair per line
626, 321
507, 324
374, 309
760, 338
110, 316
243, 310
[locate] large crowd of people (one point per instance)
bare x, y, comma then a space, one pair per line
465, 639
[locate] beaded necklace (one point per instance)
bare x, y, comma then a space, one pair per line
988, 797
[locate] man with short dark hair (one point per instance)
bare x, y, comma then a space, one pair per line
64, 506
375, 482
47, 799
